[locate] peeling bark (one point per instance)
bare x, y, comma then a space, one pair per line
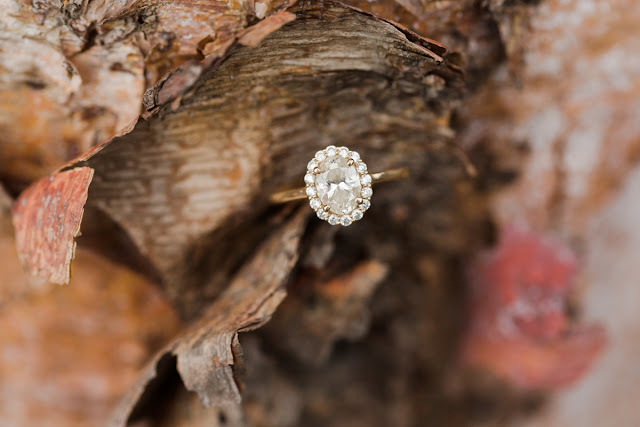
207, 352
174, 121
47, 220
187, 181
85, 66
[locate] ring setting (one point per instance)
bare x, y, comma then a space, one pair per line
338, 185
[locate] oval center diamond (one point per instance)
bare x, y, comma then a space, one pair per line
338, 185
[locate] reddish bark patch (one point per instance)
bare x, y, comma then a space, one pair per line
519, 326
47, 218
252, 36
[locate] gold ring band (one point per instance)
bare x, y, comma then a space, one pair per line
299, 193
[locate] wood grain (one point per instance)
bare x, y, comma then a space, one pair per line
249, 125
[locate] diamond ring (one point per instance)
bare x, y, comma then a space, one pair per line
338, 185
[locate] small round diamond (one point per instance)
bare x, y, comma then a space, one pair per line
309, 178
330, 150
315, 204
343, 152
355, 156
346, 221
311, 191
366, 179
320, 155
361, 168
367, 192
365, 205
322, 214
356, 215
333, 220
312, 164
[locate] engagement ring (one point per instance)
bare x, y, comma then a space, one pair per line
338, 185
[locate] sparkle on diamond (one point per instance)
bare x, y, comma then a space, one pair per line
338, 185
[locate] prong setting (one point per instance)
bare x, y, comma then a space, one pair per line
338, 185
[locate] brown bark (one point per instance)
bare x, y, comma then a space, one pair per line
161, 128
181, 175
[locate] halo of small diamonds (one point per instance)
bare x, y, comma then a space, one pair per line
338, 185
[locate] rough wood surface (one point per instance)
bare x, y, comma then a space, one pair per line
319, 314
178, 177
208, 351
85, 66
429, 312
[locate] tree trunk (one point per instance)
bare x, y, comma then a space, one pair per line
468, 293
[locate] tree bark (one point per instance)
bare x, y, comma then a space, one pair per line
160, 129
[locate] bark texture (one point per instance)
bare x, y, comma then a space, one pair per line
468, 293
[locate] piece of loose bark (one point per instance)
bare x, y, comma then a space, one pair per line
252, 36
470, 29
207, 352
269, 398
47, 220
